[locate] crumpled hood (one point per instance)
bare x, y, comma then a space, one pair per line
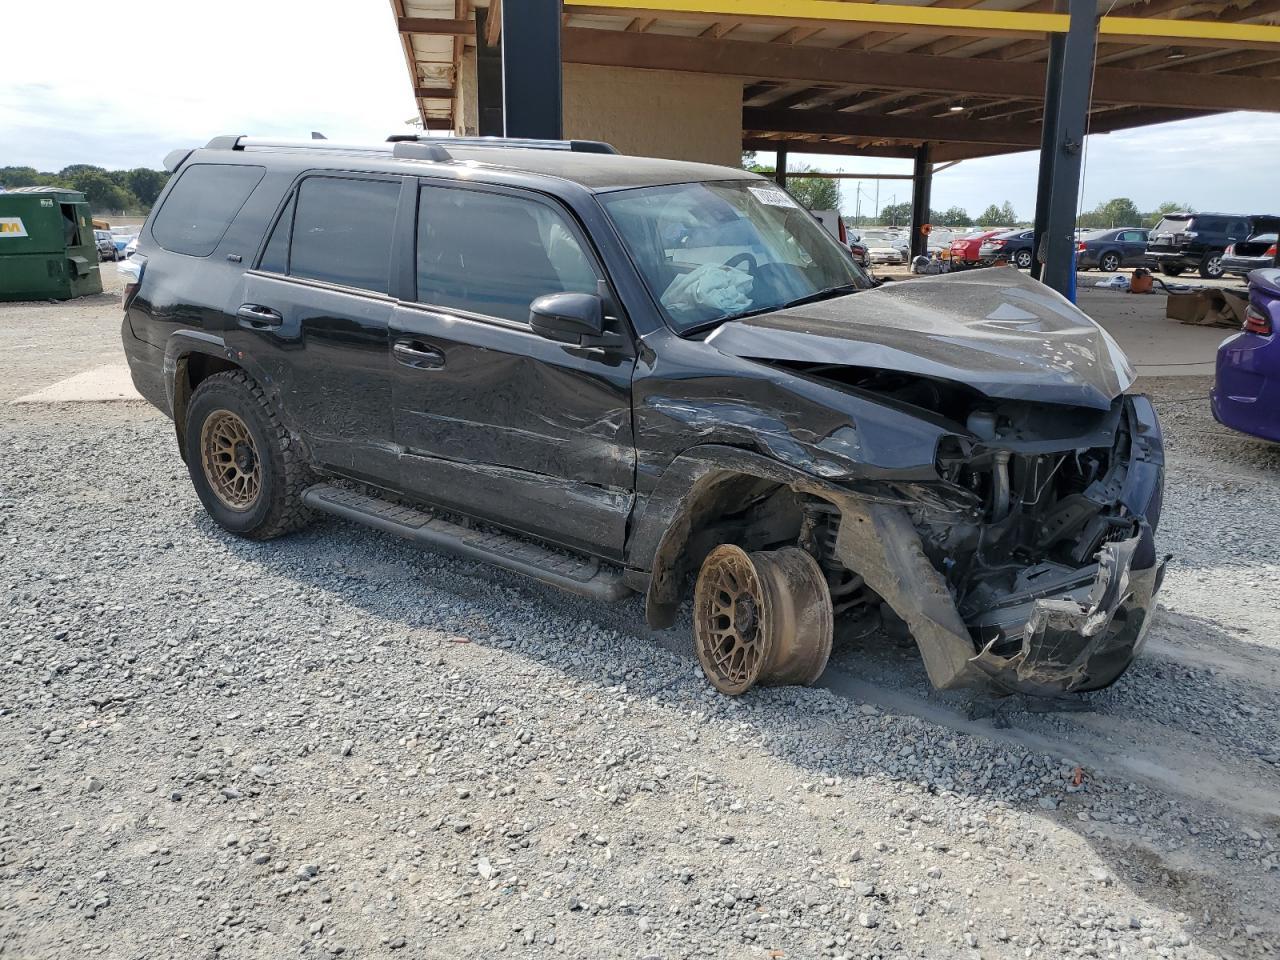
996, 330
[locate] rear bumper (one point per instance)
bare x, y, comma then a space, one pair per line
1246, 389
1242, 266
1175, 258
146, 367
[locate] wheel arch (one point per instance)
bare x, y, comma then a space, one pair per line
696, 490
191, 357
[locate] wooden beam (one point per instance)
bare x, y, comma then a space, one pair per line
833, 149
821, 65
641, 24
436, 26
493, 24
433, 93
895, 128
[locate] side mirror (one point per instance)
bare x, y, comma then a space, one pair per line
567, 317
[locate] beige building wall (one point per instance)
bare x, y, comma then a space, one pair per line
678, 116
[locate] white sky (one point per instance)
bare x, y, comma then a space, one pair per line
183, 74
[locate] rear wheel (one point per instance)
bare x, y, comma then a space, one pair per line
1171, 271
1023, 259
1211, 265
1109, 262
244, 465
761, 617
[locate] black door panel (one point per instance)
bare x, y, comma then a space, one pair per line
326, 358
506, 425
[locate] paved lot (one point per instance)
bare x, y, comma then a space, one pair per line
336, 745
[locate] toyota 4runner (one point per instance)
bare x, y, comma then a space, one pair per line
618, 374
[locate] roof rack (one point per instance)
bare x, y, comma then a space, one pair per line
405, 146
519, 143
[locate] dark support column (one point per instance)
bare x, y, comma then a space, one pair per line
921, 196
488, 79
1066, 115
531, 80
780, 171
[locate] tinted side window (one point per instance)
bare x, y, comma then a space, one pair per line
1210, 224
495, 254
202, 205
342, 232
275, 257
1238, 229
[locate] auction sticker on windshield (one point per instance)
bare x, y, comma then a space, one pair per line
12, 227
772, 196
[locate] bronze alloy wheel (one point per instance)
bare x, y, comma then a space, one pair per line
731, 620
762, 617
230, 460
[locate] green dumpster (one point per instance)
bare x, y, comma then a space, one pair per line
47, 250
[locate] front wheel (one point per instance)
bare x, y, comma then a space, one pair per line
1211, 266
763, 617
1109, 263
1023, 259
245, 466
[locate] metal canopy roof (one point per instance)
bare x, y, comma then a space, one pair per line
880, 78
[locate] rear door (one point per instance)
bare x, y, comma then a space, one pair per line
1133, 247
494, 420
315, 314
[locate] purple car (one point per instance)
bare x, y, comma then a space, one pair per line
1246, 393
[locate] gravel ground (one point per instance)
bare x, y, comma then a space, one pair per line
335, 744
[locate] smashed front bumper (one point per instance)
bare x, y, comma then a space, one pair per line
1085, 639
1060, 628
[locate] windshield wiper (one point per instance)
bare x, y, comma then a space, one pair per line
826, 294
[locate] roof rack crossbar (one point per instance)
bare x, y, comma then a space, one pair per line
522, 143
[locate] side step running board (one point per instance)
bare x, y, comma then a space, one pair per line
572, 573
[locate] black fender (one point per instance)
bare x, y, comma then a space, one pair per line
692, 480
179, 348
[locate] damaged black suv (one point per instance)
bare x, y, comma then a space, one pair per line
617, 375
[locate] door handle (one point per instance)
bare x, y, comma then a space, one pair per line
257, 317
415, 353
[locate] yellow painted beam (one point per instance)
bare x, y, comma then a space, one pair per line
1195, 32
941, 19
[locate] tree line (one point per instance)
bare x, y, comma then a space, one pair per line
108, 191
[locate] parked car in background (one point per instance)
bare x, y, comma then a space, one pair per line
131, 248
861, 256
106, 246
1246, 388
882, 249
1016, 246
966, 251
1256, 253
1109, 250
1197, 241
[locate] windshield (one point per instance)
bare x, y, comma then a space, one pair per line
718, 250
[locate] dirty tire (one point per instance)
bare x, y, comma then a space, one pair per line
1109, 262
234, 438
1171, 271
1023, 259
763, 617
1211, 266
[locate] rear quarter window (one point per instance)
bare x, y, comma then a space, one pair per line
200, 207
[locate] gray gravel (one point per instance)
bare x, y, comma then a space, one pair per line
336, 745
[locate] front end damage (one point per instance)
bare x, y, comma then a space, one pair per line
985, 476
1033, 564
